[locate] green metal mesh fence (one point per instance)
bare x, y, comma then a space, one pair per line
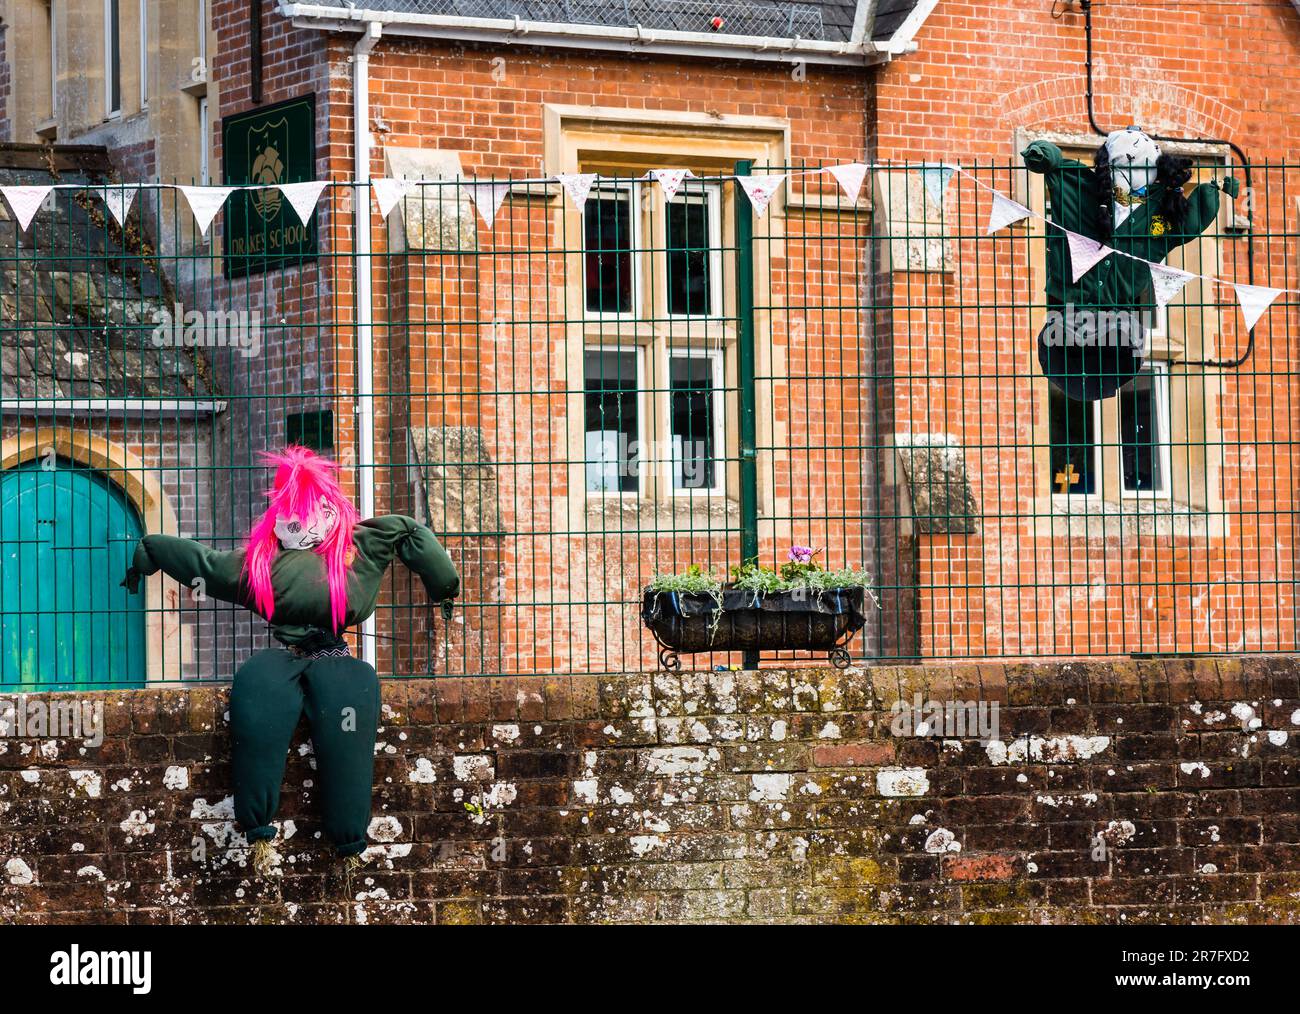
575, 402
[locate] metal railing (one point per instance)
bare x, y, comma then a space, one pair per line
576, 402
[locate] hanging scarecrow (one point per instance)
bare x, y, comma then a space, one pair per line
1132, 200
311, 570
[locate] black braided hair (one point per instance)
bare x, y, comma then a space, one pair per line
1104, 190
1172, 172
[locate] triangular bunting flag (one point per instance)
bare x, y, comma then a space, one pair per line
24, 202
760, 190
302, 197
388, 192
1167, 282
1005, 212
488, 197
577, 186
849, 176
935, 178
204, 203
1255, 300
670, 180
1085, 253
118, 200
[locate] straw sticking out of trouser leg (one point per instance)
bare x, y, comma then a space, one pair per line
263, 858
350, 865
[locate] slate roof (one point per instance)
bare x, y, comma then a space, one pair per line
76, 316
890, 15
828, 21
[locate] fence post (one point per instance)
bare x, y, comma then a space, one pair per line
745, 378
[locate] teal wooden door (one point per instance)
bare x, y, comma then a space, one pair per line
66, 537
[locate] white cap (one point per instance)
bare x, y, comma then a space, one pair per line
1132, 156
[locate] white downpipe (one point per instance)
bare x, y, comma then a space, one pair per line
364, 310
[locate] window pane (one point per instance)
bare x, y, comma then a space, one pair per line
611, 421
311, 429
607, 240
1073, 456
1140, 436
692, 402
114, 68
689, 284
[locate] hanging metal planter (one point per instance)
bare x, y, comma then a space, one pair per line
742, 620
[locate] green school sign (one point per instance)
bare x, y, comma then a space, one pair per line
274, 144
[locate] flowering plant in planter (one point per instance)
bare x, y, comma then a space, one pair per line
798, 605
800, 573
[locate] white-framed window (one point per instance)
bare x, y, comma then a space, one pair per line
144, 54
112, 59
205, 173
686, 270
693, 251
52, 13
203, 35
613, 428
612, 250
654, 316
695, 413
1074, 432
1144, 432
1143, 418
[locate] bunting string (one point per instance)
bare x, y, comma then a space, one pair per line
488, 195
1166, 282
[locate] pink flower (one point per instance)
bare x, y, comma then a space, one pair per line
801, 554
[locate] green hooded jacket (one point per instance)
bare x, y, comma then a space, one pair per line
298, 577
1117, 282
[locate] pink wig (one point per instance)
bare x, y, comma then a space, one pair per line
302, 478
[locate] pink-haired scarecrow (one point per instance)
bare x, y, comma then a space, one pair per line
311, 569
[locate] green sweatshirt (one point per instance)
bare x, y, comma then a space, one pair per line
298, 578
1117, 282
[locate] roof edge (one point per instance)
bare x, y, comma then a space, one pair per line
904, 38
598, 37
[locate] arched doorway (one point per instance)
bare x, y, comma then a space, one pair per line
66, 538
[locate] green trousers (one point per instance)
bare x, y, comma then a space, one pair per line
341, 698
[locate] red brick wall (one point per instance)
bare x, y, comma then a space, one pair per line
135, 162
982, 71
1126, 793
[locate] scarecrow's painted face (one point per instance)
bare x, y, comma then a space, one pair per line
1132, 156
308, 532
